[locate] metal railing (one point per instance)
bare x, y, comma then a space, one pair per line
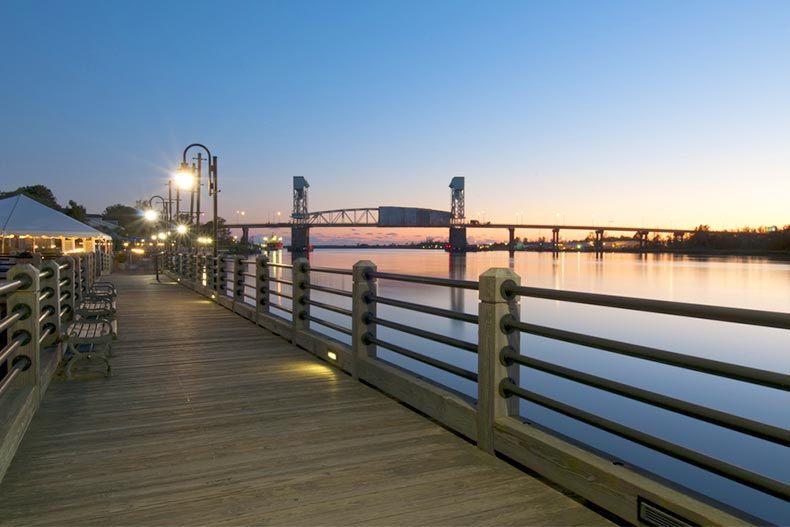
493, 418
36, 301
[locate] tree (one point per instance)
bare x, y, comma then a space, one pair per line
224, 238
39, 193
76, 211
129, 219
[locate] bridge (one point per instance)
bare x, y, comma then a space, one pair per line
236, 399
411, 217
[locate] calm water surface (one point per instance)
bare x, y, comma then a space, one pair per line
736, 282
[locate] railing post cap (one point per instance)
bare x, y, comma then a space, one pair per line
491, 283
361, 267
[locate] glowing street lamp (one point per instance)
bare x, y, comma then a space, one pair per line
185, 179
182, 229
151, 215
213, 189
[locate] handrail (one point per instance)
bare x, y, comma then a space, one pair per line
739, 424
330, 307
46, 293
283, 295
426, 280
436, 363
713, 367
751, 317
279, 265
20, 364
12, 285
331, 270
46, 312
436, 337
18, 340
330, 325
439, 312
330, 290
280, 281
740, 475
17, 313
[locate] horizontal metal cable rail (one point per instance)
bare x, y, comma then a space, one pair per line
439, 312
426, 280
47, 330
281, 281
429, 335
46, 312
712, 367
330, 307
17, 313
751, 317
326, 323
716, 466
19, 364
19, 339
330, 270
740, 424
330, 290
10, 286
436, 363
282, 295
281, 308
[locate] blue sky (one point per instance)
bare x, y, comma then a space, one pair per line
643, 113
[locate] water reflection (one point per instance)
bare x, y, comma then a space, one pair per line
457, 272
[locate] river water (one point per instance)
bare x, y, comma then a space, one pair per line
755, 283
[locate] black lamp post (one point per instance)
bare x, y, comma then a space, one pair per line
213, 190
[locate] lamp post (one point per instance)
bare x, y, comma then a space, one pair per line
153, 216
213, 189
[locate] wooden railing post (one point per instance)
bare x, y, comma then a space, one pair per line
52, 303
28, 327
211, 273
70, 288
197, 278
492, 340
362, 308
222, 276
262, 284
301, 296
238, 279
84, 284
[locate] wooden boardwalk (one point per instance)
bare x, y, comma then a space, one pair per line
211, 420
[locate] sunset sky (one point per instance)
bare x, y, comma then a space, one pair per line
670, 113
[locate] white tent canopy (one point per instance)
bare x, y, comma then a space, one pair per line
24, 218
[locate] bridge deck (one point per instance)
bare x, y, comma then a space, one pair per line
212, 420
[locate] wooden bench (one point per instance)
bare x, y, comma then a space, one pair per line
98, 309
88, 339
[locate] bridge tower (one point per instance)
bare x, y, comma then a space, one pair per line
300, 232
457, 216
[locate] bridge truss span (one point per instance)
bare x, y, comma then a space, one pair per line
344, 217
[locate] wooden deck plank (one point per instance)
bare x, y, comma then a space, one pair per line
210, 420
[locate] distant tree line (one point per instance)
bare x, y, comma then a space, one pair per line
746, 239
